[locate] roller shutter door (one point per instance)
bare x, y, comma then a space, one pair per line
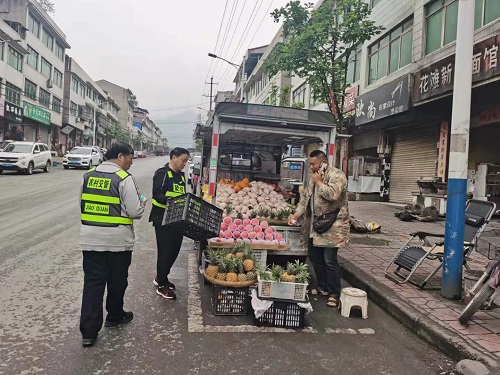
414, 154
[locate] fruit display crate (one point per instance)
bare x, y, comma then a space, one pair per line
229, 301
281, 290
283, 314
197, 218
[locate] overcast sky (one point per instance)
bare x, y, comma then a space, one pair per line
158, 49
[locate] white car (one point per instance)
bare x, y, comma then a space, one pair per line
25, 157
82, 157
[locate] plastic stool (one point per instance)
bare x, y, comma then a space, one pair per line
350, 297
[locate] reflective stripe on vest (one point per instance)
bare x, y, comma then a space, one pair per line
178, 190
100, 201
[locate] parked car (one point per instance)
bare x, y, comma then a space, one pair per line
4, 144
82, 157
194, 167
140, 154
25, 157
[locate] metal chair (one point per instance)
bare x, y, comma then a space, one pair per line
410, 257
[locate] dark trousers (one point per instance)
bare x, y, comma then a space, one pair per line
103, 269
327, 269
168, 244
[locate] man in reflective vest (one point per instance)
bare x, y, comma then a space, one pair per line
168, 182
109, 203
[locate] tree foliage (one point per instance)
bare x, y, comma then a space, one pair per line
47, 6
115, 131
319, 43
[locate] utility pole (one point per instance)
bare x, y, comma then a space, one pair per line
211, 83
451, 286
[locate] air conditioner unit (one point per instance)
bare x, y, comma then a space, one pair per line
49, 84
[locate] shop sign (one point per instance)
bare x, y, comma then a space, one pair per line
437, 78
36, 113
385, 101
13, 112
350, 98
443, 150
213, 163
67, 129
489, 117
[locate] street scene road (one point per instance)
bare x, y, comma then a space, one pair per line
41, 282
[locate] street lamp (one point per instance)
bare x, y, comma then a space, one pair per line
213, 55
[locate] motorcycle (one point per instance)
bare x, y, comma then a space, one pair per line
487, 287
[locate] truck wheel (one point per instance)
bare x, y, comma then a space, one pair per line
47, 167
29, 170
90, 165
1, 171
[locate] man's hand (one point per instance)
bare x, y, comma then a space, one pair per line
317, 178
292, 220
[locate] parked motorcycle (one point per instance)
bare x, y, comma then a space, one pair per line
488, 286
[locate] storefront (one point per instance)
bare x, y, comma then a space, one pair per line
377, 111
12, 122
36, 123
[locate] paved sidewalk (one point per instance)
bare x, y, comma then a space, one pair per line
424, 311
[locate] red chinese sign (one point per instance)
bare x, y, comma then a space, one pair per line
349, 100
489, 117
438, 78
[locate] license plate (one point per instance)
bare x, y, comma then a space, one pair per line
73, 162
6, 165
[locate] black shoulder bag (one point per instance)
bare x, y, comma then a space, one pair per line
322, 223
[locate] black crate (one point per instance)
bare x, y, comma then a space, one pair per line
229, 301
197, 218
283, 315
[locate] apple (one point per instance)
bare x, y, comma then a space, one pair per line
227, 220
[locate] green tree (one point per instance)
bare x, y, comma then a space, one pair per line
319, 43
115, 131
198, 144
47, 6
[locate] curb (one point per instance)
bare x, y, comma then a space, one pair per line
444, 339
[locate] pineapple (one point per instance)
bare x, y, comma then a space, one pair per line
229, 256
250, 276
232, 276
241, 270
249, 262
213, 269
223, 266
276, 272
289, 274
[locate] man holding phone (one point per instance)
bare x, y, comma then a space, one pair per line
324, 204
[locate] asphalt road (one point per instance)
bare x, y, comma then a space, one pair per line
40, 297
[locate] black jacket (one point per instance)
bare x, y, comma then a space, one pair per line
162, 184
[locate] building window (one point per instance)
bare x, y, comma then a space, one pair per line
56, 104
32, 58
58, 77
353, 67
74, 84
47, 39
12, 94
46, 69
299, 95
391, 52
59, 51
44, 98
82, 90
94, 96
89, 91
486, 11
15, 59
2, 48
73, 109
30, 89
34, 25
441, 24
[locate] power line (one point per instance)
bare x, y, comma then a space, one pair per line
226, 31
248, 26
260, 24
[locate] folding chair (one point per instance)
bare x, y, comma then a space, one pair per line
410, 257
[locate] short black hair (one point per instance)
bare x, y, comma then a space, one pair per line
317, 154
178, 151
119, 148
